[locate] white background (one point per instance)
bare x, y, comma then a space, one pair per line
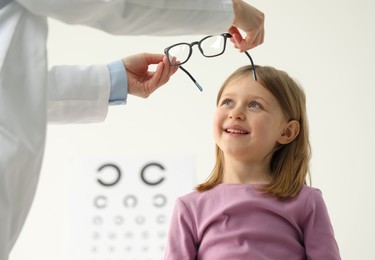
328, 46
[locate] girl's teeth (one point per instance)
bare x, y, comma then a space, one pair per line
234, 131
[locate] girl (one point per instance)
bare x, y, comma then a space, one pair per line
255, 204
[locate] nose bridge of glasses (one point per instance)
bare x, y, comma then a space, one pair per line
193, 43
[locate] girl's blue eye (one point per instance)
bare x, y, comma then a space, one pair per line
228, 102
254, 104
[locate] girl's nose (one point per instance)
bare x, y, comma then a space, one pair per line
237, 114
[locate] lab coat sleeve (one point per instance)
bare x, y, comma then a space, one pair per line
78, 94
140, 17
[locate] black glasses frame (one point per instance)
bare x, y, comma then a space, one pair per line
225, 35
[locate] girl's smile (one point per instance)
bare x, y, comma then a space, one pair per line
235, 130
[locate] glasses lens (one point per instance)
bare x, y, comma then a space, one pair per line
212, 46
179, 54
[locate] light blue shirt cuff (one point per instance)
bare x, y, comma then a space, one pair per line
119, 83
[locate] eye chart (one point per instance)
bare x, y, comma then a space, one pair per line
119, 209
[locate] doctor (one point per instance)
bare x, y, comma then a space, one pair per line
31, 95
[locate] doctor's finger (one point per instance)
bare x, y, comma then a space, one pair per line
153, 82
163, 73
168, 71
154, 58
251, 40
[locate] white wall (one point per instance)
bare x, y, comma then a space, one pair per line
328, 46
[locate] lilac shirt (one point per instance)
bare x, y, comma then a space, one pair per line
237, 222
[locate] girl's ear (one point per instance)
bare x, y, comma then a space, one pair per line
290, 132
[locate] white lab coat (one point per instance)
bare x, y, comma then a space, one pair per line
29, 93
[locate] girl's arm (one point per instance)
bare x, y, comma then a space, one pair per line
319, 239
182, 241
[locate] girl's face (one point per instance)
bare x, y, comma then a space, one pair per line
248, 122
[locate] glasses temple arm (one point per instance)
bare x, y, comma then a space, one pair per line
192, 78
252, 65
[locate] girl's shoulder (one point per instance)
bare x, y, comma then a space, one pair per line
308, 192
222, 190
222, 194
200, 198
196, 196
310, 199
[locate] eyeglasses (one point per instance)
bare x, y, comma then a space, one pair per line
209, 46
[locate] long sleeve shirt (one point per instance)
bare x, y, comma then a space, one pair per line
238, 222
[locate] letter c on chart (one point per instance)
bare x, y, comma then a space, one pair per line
159, 200
147, 181
100, 202
130, 201
114, 169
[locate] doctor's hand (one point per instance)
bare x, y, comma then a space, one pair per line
141, 81
251, 21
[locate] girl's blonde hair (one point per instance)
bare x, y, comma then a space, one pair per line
289, 162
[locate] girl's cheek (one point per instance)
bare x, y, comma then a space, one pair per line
217, 126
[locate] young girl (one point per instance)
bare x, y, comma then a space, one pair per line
255, 204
